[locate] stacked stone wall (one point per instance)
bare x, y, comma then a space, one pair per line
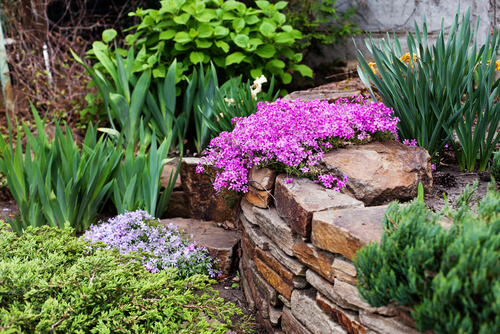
299, 241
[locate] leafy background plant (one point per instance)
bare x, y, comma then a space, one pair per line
236, 38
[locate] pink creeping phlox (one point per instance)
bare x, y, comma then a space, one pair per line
294, 135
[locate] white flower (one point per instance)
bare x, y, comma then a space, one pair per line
257, 86
229, 102
259, 81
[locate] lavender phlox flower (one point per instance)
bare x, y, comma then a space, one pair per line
162, 246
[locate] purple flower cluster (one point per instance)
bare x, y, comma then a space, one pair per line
294, 135
160, 246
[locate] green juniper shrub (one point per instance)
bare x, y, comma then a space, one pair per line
54, 282
449, 277
495, 166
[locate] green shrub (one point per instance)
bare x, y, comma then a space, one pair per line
450, 278
495, 166
59, 183
53, 282
426, 86
236, 38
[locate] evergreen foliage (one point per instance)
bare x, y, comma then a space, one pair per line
53, 282
450, 277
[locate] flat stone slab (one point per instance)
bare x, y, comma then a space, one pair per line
220, 243
297, 201
380, 172
346, 231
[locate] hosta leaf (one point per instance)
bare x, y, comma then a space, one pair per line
266, 51
203, 43
235, 58
221, 31
182, 19
267, 29
169, 34
256, 72
241, 41
196, 57
223, 45
205, 31
183, 37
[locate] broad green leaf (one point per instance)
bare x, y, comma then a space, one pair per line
252, 19
235, 58
267, 29
169, 34
207, 15
256, 72
108, 35
283, 38
287, 28
279, 18
203, 43
205, 31
264, 5
304, 70
223, 45
221, 31
266, 51
193, 33
182, 19
196, 57
183, 37
238, 24
280, 5
241, 41
286, 78
275, 63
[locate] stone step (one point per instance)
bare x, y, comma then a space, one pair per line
222, 244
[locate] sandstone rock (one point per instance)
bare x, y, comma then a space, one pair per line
297, 201
169, 171
260, 301
326, 289
315, 258
267, 290
321, 93
273, 279
255, 234
298, 282
201, 198
347, 294
222, 244
380, 172
285, 301
291, 325
289, 262
264, 322
261, 178
276, 229
247, 211
305, 309
246, 287
275, 315
385, 324
247, 246
177, 206
260, 198
346, 231
345, 266
349, 320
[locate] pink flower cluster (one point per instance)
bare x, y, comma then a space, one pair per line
294, 135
